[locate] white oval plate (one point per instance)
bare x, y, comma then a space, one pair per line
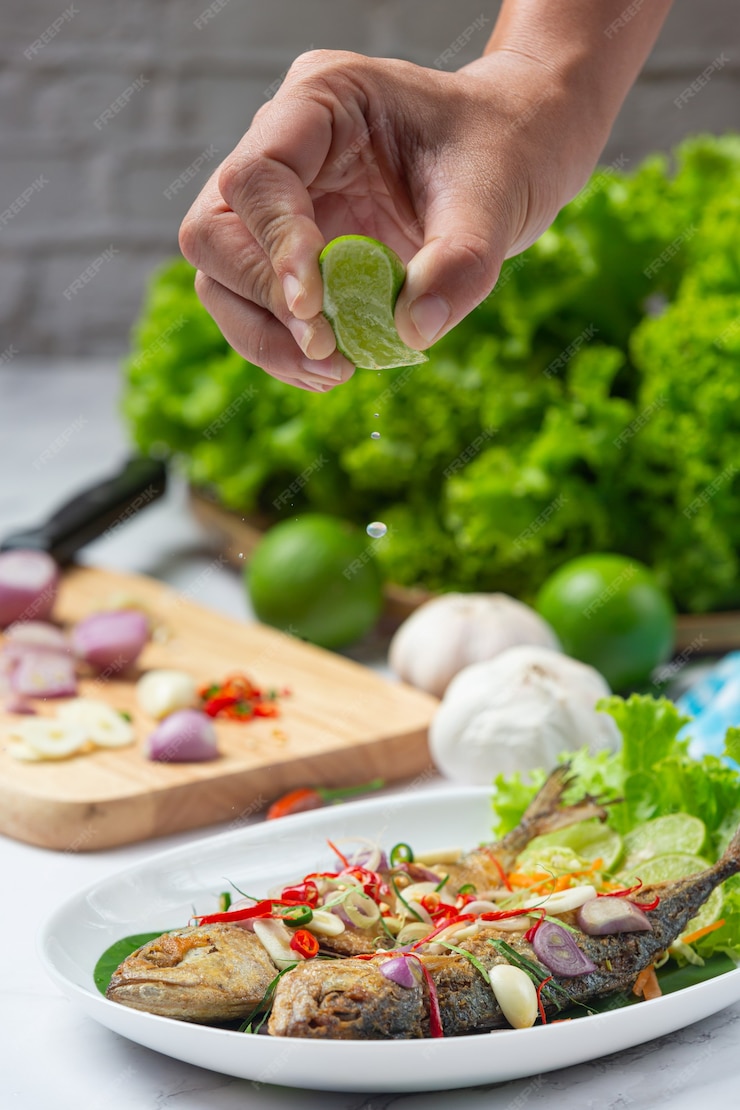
162, 892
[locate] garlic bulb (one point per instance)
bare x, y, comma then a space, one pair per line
517, 712
450, 632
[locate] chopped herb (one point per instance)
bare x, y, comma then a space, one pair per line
264, 1006
468, 956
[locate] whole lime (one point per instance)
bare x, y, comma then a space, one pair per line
316, 577
609, 611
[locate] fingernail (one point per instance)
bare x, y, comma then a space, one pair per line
429, 314
292, 290
330, 367
302, 332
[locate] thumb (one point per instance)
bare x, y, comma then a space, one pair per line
464, 247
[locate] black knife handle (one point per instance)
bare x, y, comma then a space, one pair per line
100, 508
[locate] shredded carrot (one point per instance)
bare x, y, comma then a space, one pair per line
646, 984
699, 933
522, 879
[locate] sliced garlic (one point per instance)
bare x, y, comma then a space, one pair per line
18, 749
103, 725
326, 924
515, 993
275, 939
414, 892
162, 692
49, 738
563, 900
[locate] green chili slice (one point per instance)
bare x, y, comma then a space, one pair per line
401, 853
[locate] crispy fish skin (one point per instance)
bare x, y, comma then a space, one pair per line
205, 974
352, 1000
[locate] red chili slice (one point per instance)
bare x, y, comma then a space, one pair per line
304, 943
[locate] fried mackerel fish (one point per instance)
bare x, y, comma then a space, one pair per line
349, 999
220, 972
208, 974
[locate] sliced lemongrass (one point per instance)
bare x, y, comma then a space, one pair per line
325, 924
442, 855
50, 738
563, 900
361, 909
104, 726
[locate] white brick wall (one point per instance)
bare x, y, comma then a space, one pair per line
194, 84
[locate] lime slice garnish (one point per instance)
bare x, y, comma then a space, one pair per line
588, 840
362, 280
678, 865
676, 832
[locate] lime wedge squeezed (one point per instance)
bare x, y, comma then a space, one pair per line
362, 280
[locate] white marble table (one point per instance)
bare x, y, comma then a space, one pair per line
55, 1058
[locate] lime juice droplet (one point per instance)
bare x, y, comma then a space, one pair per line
376, 529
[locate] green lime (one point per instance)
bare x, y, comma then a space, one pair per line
677, 865
362, 280
588, 840
316, 577
675, 832
609, 611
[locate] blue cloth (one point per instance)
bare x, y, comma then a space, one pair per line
714, 704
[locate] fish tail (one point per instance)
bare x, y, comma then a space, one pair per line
545, 813
548, 798
729, 862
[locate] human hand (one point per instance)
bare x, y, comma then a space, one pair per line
454, 171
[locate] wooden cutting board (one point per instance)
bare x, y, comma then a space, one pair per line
341, 725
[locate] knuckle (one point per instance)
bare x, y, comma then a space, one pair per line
204, 288
189, 239
320, 63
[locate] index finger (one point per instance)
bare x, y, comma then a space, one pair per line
265, 181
